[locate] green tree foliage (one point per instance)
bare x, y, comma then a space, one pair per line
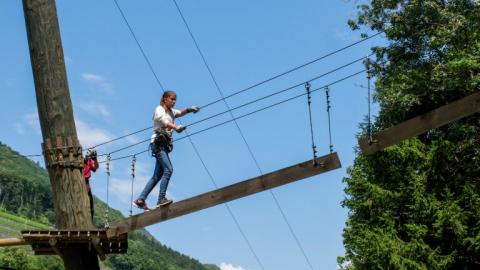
416, 205
24, 187
20, 258
25, 191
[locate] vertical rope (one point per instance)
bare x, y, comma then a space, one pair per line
369, 76
327, 94
109, 159
134, 159
309, 101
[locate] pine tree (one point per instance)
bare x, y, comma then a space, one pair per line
416, 205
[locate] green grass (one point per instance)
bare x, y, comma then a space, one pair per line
11, 232
13, 224
24, 221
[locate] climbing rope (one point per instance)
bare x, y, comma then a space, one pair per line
309, 101
109, 159
327, 94
369, 75
134, 159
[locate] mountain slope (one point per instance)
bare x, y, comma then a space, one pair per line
25, 191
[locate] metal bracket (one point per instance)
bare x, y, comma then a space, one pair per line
63, 152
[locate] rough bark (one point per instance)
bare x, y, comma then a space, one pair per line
57, 124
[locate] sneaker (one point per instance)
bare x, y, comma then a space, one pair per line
164, 201
139, 203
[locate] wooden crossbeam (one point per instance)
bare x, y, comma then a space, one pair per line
225, 194
421, 124
6, 242
98, 247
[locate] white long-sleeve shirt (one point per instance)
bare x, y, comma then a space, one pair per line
161, 118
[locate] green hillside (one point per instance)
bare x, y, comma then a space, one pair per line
26, 202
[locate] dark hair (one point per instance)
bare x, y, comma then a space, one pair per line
167, 94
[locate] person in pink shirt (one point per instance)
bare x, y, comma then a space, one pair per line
90, 164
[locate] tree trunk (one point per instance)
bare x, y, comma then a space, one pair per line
62, 152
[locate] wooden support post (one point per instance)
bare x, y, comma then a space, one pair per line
225, 194
98, 247
12, 242
53, 243
61, 148
421, 124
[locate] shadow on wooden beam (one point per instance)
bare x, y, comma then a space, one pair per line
226, 194
421, 124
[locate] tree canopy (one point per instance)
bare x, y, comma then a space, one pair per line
416, 205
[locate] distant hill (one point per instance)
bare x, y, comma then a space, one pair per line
25, 191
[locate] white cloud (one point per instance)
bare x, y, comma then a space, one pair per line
19, 128
228, 266
99, 81
93, 77
89, 136
97, 109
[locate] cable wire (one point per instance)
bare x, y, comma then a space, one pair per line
251, 113
158, 81
239, 106
240, 132
139, 45
292, 70
227, 206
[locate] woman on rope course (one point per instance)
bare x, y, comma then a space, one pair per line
161, 144
90, 164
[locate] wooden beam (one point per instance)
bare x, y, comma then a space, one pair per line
226, 194
53, 243
96, 244
421, 124
12, 242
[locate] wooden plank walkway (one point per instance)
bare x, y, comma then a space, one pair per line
421, 124
225, 194
51, 242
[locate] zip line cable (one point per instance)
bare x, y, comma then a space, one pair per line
293, 69
241, 133
227, 206
121, 137
158, 81
245, 115
245, 104
281, 91
139, 45
220, 113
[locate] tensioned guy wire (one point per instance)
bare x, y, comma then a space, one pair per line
369, 73
139, 45
327, 95
158, 81
309, 102
242, 105
226, 97
250, 113
242, 135
250, 102
134, 160
293, 69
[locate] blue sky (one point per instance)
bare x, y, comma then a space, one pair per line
114, 92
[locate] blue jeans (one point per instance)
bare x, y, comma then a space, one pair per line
163, 172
